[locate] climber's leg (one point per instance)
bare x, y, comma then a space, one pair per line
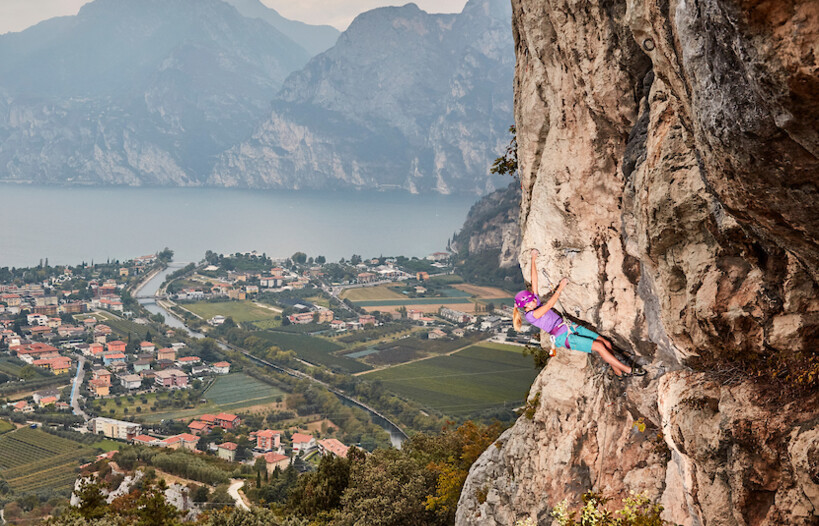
600, 348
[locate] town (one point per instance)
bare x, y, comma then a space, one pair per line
83, 358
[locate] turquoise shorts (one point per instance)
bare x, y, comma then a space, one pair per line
581, 339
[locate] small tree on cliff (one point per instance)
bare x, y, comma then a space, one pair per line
507, 164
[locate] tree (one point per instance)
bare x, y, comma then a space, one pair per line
93, 504
355, 260
300, 258
153, 509
321, 260
321, 490
507, 164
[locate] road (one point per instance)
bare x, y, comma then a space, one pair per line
233, 491
75, 389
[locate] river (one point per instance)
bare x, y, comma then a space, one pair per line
70, 225
149, 288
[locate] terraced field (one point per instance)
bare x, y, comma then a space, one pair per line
35, 461
479, 377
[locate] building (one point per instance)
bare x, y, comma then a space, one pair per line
227, 451
95, 349
301, 318
99, 387
147, 347
131, 381
143, 364
414, 315
103, 375
228, 421
187, 361
146, 440
198, 427
367, 319
57, 365
325, 315
47, 400
422, 276
181, 441
275, 460
171, 378
367, 277
268, 440
221, 367
436, 334
303, 443
116, 346
455, 315
166, 354
46, 393
116, 357
33, 351
114, 428
331, 446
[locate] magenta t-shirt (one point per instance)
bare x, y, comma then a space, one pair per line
549, 322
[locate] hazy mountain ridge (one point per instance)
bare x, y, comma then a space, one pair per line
405, 99
177, 82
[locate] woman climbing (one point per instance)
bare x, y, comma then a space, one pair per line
565, 334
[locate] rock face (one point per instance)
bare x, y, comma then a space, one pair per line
405, 99
492, 225
670, 166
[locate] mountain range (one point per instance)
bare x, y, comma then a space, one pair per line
229, 93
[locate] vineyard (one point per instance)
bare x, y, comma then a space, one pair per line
33, 461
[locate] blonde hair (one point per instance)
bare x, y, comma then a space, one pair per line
517, 320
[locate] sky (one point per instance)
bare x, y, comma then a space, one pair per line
16, 15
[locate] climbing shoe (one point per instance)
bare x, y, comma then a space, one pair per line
637, 370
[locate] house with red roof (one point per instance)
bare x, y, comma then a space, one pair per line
147, 347
303, 443
228, 421
181, 441
188, 360
331, 446
276, 460
146, 440
221, 367
171, 378
116, 346
198, 427
268, 440
227, 451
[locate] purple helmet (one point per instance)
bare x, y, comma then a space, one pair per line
523, 297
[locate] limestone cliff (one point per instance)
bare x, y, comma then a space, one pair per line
492, 226
669, 156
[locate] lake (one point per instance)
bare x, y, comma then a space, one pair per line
70, 225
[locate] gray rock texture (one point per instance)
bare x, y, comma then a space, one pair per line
404, 100
492, 225
668, 155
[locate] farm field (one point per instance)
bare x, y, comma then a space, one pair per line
125, 328
482, 292
230, 393
5, 426
312, 349
237, 390
404, 350
482, 376
240, 311
35, 461
379, 292
414, 301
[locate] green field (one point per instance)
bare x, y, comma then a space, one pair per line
12, 367
5, 426
240, 311
232, 392
238, 390
125, 327
379, 292
479, 377
35, 461
312, 349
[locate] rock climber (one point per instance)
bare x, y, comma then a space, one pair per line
564, 334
